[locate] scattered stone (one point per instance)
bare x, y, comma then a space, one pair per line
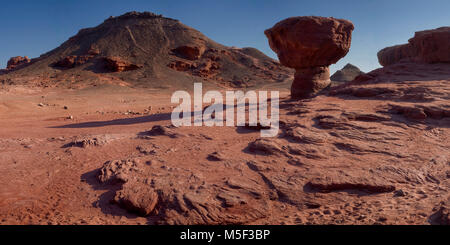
215, 156
382, 219
441, 216
399, 193
312, 205
158, 130
86, 141
147, 150
265, 146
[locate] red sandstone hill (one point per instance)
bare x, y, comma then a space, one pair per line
346, 74
146, 50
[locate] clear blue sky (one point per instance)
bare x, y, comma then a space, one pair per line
34, 27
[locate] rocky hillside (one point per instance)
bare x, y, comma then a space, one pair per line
145, 50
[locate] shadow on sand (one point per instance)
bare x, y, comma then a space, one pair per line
118, 122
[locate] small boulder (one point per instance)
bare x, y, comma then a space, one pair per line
265, 146
215, 156
137, 198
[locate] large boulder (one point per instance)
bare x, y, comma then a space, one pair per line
137, 197
310, 45
17, 61
430, 46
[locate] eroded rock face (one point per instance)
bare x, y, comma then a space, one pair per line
309, 45
116, 64
430, 46
17, 61
189, 52
72, 61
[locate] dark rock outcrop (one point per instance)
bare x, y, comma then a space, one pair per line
16, 62
189, 52
116, 64
73, 61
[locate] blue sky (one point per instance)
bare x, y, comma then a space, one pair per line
34, 27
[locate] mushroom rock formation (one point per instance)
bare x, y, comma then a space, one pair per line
17, 61
430, 46
310, 45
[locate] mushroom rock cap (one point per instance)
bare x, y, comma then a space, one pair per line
310, 41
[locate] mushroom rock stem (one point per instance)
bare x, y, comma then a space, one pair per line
309, 81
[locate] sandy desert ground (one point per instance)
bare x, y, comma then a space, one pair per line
357, 154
